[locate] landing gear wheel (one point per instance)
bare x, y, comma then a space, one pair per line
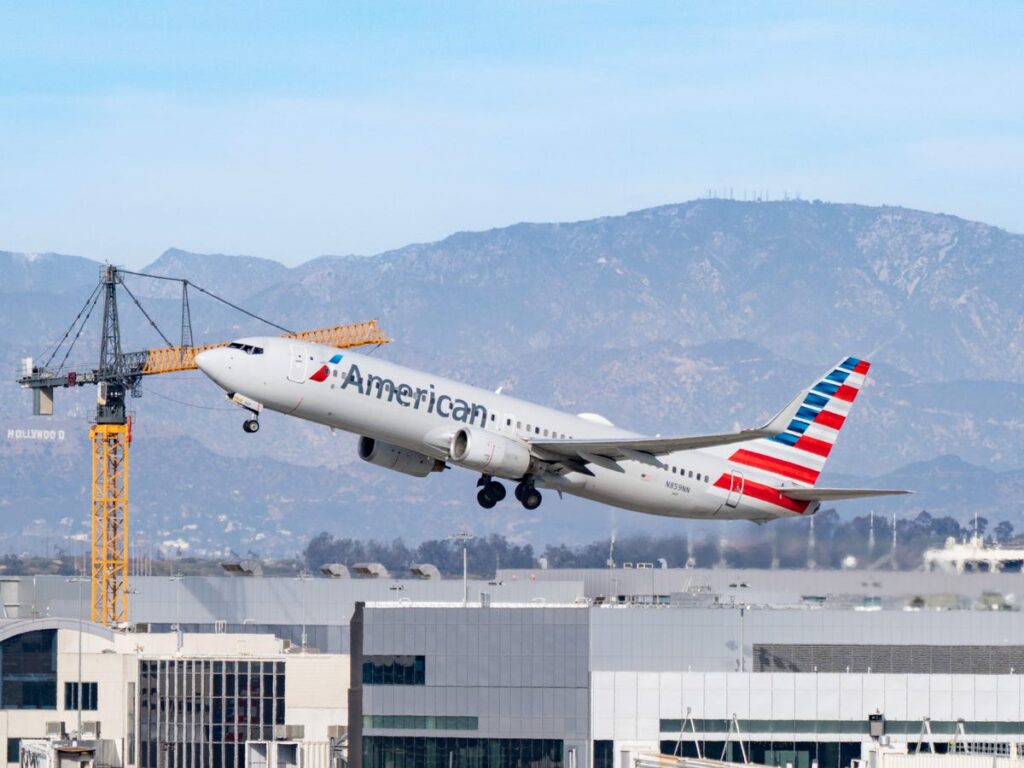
527, 494
251, 426
496, 490
531, 498
485, 499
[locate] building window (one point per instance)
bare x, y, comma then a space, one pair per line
88, 698
423, 722
442, 752
394, 670
28, 670
228, 701
13, 750
604, 754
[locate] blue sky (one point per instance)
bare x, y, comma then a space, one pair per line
293, 130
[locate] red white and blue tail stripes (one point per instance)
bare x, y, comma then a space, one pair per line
797, 455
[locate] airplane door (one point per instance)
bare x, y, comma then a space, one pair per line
735, 489
297, 365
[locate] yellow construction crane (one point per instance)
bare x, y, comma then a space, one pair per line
118, 374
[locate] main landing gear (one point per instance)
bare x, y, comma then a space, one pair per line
527, 494
491, 492
251, 425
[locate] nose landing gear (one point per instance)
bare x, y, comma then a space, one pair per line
252, 424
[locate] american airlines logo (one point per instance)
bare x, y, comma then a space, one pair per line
405, 395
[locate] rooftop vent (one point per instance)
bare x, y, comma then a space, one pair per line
334, 570
370, 570
243, 568
425, 571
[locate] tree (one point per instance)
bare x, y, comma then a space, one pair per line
1004, 531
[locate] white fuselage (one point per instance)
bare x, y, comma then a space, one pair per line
370, 396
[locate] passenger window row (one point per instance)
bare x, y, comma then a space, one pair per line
686, 473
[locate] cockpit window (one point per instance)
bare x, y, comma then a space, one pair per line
247, 348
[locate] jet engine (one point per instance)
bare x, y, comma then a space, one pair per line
399, 459
489, 453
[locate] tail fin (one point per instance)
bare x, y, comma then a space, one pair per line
798, 452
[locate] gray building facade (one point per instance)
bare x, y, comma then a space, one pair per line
451, 686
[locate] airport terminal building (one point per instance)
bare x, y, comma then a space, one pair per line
538, 668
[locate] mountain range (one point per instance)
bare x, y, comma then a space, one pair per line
687, 318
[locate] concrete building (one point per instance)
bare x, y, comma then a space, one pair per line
157, 700
539, 668
448, 684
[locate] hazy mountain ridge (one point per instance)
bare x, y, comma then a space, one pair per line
684, 318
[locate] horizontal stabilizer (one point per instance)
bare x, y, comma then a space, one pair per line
837, 494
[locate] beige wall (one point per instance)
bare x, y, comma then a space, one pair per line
316, 692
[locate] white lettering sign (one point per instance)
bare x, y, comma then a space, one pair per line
35, 434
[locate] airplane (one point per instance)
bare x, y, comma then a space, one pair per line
416, 423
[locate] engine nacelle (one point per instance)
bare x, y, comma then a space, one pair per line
489, 453
399, 459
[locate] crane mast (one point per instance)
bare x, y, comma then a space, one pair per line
110, 439
117, 375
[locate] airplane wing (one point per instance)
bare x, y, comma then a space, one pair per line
648, 448
836, 494
644, 448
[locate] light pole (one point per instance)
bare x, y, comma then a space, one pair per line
178, 577
302, 577
78, 698
465, 537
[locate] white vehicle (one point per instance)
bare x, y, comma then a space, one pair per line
416, 423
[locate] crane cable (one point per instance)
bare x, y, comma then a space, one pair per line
211, 294
80, 329
146, 314
57, 346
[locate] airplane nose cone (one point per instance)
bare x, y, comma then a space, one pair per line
211, 362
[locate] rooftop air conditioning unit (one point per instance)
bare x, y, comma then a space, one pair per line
289, 732
371, 570
55, 729
243, 568
334, 570
425, 571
